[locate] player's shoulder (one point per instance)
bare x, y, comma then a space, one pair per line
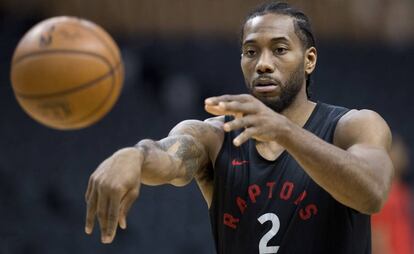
355, 118
361, 126
198, 128
216, 121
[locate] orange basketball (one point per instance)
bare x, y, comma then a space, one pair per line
67, 73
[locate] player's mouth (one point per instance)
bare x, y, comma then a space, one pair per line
265, 85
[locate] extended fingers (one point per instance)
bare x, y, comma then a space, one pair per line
215, 110
112, 220
109, 202
105, 203
91, 202
89, 190
91, 199
102, 211
234, 108
239, 123
238, 107
126, 204
220, 111
226, 98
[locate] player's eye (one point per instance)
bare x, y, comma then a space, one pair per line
280, 51
249, 53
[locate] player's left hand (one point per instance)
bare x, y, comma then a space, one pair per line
260, 122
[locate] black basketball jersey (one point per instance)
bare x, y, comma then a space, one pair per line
262, 206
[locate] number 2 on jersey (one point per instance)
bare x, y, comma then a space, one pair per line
263, 248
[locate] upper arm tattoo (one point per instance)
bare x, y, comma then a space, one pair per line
188, 151
183, 154
194, 144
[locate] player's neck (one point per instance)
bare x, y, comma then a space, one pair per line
300, 110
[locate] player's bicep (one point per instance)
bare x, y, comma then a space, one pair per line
367, 137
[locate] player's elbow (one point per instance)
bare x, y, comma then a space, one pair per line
377, 193
145, 145
376, 200
373, 205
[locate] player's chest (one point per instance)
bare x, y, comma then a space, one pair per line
249, 183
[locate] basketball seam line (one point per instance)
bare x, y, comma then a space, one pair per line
80, 87
75, 89
93, 112
63, 51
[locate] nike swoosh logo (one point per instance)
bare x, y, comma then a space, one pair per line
238, 163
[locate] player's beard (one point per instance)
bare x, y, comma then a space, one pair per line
288, 91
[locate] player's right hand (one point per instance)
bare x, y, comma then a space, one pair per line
112, 189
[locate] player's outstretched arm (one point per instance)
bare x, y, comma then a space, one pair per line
176, 159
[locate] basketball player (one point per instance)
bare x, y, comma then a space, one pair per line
280, 173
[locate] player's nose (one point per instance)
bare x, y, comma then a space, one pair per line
265, 63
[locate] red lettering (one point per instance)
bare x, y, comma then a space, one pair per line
254, 191
286, 191
310, 210
241, 203
270, 185
300, 198
230, 221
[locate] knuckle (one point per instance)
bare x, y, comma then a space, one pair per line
97, 180
116, 189
92, 179
109, 187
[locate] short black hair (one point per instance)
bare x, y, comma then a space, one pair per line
301, 23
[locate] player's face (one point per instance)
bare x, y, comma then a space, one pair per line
273, 60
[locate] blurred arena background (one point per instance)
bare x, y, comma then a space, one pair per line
176, 54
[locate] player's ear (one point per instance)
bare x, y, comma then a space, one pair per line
311, 56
